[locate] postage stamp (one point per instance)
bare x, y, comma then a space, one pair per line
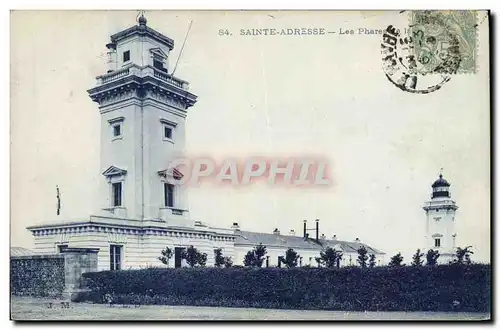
440, 36
437, 45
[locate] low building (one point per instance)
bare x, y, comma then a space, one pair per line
307, 248
16, 251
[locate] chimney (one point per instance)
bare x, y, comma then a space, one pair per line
235, 226
292, 232
357, 240
276, 231
334, 237
305, 229
323, 237
317, 229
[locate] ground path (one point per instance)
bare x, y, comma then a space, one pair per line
39, 309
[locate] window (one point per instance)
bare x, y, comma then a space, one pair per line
167, 132
116, 126
117, 130
115, 257
437, 242
158, 64
169, 194
61, 247
117, 193
126, 56
168, 128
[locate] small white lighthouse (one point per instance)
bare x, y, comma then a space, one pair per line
440, 221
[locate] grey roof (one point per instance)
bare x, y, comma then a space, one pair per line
288, 241
143, 30
351, 246
20, 251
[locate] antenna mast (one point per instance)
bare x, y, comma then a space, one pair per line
182, 48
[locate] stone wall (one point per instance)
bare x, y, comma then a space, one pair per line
37, 275
51, 275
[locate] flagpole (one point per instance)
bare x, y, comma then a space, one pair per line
58, 200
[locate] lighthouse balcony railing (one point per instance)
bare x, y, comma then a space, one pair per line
115, 75
440, 202
148, 70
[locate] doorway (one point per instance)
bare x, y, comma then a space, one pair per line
178, 256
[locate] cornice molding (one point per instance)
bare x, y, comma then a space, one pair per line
168, 122
114, 171
170, 108
116, 120
174, 173
120, 105
116, 233
159, 52
142, 83
143, 31
446, 207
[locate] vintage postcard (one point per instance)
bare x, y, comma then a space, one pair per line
250, 165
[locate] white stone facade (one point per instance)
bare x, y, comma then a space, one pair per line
141, 241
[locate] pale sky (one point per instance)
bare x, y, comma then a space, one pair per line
259, 95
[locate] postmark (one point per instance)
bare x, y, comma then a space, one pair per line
436, 46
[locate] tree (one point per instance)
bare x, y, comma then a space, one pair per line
462, 256
417, 259
372, 261
219, 258
291, 258
193, 257
396, 260
202, 259
228, 262
166, 255
249, 260
329, 258
362, 256
260, 251
432, 257
255, 257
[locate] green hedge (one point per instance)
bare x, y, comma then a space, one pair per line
440, 288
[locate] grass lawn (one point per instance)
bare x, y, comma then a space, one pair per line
24, 308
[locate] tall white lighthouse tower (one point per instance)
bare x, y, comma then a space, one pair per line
143, 110
440, 221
